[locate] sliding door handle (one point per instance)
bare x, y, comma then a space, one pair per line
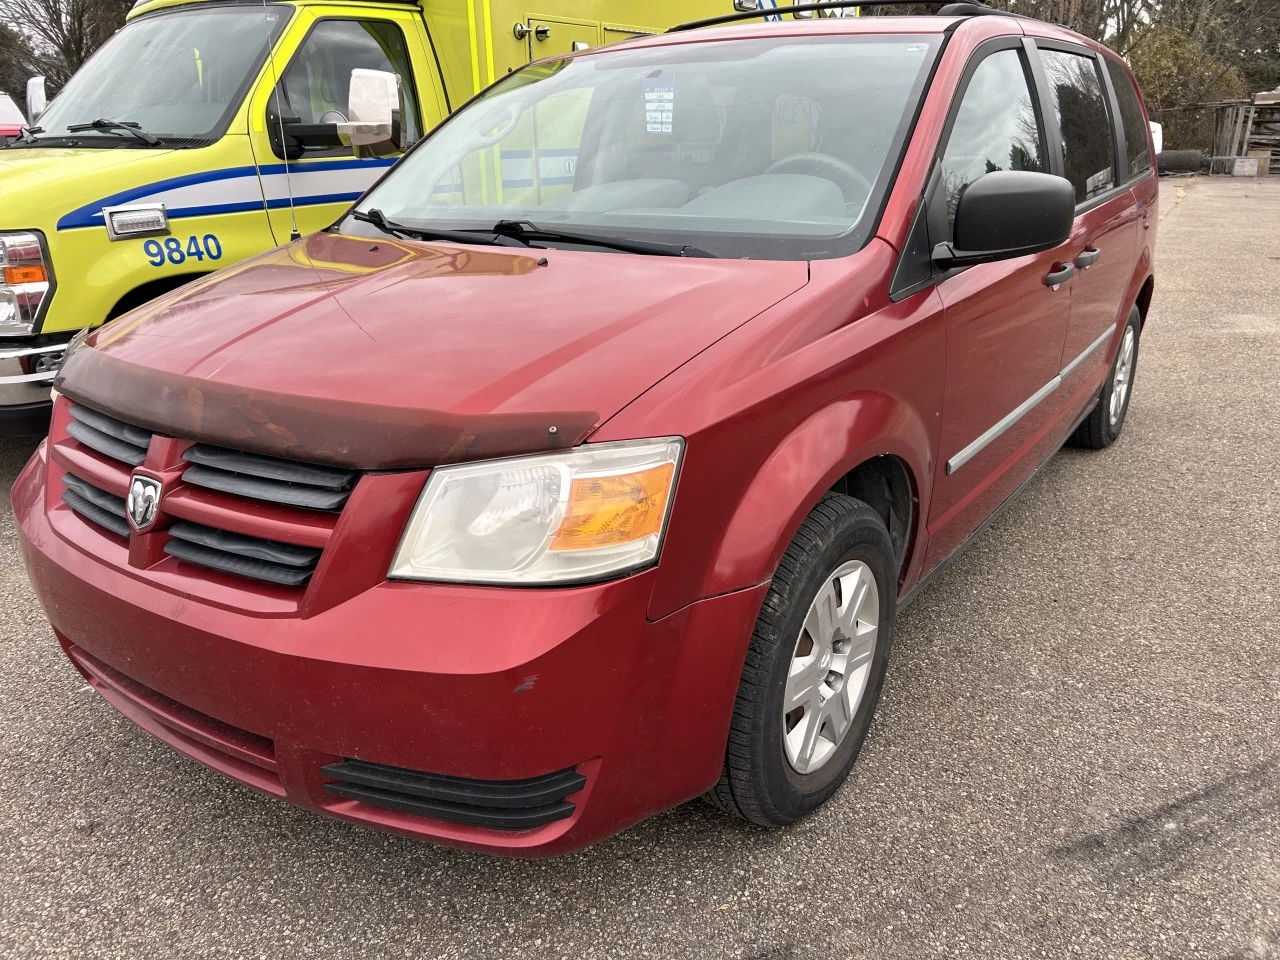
1088, 258
1061, 273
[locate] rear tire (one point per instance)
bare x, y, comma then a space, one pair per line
1102, 426
839, 573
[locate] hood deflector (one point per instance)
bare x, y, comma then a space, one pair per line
360, 436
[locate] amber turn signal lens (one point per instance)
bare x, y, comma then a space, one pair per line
14, 276
605, 511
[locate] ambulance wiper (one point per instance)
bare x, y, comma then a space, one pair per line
524, 230
114, 126
376, 218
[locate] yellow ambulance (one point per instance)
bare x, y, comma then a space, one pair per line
206, 132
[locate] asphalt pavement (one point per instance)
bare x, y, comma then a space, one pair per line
1077, 755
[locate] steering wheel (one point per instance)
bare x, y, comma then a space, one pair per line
854, 186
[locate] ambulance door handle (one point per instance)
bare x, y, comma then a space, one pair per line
541, 32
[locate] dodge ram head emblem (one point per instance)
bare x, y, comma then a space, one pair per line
142, 502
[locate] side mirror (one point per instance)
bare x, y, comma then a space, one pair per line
1008, 214
37, 98
374, 111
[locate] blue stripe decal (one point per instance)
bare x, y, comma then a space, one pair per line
312, 165
90, 215
315, 201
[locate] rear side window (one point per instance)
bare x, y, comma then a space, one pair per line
1137, 158
1080, 105
996, 127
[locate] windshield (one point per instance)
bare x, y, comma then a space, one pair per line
769, 149
10, 115
179, 75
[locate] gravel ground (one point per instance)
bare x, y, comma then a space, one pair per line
1077, 754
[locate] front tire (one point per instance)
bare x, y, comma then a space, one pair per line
815, 667
1102, 426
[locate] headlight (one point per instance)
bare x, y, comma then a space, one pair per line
24, 283
587, 514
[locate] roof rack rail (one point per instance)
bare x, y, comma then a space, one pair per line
967, 9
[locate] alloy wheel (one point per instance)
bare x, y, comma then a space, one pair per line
1123, 375
830, 666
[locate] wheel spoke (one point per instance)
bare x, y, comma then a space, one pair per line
821, 621
813, 726
802, 683
857, 585
839, 712
861, 652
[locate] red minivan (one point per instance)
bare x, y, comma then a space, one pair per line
583, 467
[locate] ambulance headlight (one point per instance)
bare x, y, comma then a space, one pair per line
26, 283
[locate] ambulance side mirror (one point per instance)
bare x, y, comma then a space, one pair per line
37, 98
375, 113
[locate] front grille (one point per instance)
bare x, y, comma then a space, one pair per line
250, 505
500, 804
293, 484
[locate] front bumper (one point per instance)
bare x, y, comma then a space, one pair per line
453, 681
26, 374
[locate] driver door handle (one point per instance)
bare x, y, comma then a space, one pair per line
1060, 275
1088, 258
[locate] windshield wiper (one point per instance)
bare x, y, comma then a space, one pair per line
526, 231
114, 126
376, 218
28, 134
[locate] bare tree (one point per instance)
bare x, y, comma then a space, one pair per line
63, 34
15, 65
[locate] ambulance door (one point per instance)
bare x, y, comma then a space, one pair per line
308, 178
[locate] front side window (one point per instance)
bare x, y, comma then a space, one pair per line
771, 149
996, 127
179, 75
316, 86
1137, 148
1080, 108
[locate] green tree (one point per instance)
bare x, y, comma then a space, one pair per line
1176, 72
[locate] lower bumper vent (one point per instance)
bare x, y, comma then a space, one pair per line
500, 804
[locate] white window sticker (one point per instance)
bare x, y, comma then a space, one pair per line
659, 104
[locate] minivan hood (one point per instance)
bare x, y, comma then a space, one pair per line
389, 353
